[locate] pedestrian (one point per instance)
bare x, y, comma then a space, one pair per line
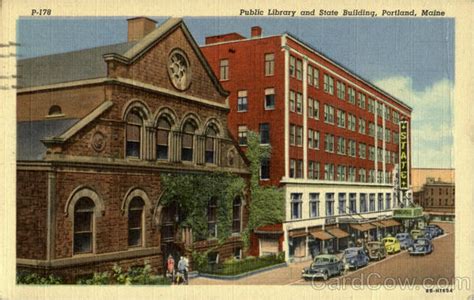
170, 272
182, 268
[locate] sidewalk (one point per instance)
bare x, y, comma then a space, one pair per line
279, 276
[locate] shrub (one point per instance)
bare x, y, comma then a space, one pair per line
33, 278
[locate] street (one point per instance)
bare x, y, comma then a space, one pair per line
400, 268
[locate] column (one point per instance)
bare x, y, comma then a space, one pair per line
176, 146
150, 144
286, 49
383, 144
376, 104
199, 149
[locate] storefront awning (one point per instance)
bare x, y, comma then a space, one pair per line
338, 232
378, 224
297, 233
390, 223
322, 235
362, 227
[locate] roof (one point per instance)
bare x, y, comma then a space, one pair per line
68, 66
30, 134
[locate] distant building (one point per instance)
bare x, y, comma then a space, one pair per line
419, 176
437, 199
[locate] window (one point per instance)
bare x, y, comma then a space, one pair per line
316, 139
296, 200
316, 78
236, 211
264, 133
352, 203
328, 114
135, 222
299, 103
362, 126
269, 64
361, 100
292, 66
292, 134
329, 204
292, 101
310, 108
299, 136
371, 129
351, 93
396, 117
310, 138
363, 202
341, 173
371, 202
387, 112
292, 168
379, 108
362, 150
341, 118
212, 217
83, 225
341, 90
313, 205
352, 174
224, 69
371, 177
351, 122
342, 203
395, 138
299, 168
371, 105
242, 101
351, 151
341, 145
379, 132
328, 172
313, 170
310, 75
371, 153
55, 110
328, 84
388, 135
269, 98
242, 135
211, 134
388, 199
134, 128
380, 201
362, 177
188, 142
379, 154
316, 109
265, 169
162, 139
329, 142
299, 69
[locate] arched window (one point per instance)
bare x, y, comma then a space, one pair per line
162, 139
236, 212
211, 134
212, 217
83, 225
55, 110
134, 128
135, 222
188, 142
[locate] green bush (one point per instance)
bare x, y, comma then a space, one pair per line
250, 263
33, 278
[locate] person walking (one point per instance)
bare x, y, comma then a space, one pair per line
170, 272
183, 268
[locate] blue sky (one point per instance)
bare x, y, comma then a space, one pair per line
413, 58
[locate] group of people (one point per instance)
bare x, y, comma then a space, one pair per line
180, 275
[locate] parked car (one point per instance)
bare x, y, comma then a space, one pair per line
392, 245
375, 250
355, 257
421, 246
416, 233
323, 266
436, 229
427, 233
405, 240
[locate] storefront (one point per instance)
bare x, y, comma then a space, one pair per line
410, 217
341, 237
297, 244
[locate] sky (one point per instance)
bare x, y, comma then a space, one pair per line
410, 58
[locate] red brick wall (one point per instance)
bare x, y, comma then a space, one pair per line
31, 214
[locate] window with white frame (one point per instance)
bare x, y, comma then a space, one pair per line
379, 132
299, 136
352, 148
316, 110
371, 153
341, 118
310, 169
341, 145
292, 168
371, 202
396, 117
328, 84
316, 139
362, 175
242, 129
351, 122
329, 172
342, 203
361, 100
387, 112
363, 202
265, 169
292, 66
380, 201
299, 103
388, 199
352, 203
316, 78
371, 177
341, 90
379, 108
292, 100
328, 142
269, 98
299, 69
310, 108
329, 204
352, 174
371, 129
310, 139
341, 173
292, 134
224, 69
351, 95
371, 105
313, 205
264, 129
396, 138
362, 126
299, 168
379, 154
242, 101
296, 205
362, 150
269, 64
310, 75
388, 135
328, 114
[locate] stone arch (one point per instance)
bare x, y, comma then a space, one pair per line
214, 122
194, 118
138, 106
132, 193
84, 192
169, 114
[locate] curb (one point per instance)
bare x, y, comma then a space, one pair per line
246, 274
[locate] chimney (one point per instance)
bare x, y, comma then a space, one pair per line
256, 31
139, 27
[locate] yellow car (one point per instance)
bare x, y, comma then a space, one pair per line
416, 233
392, 245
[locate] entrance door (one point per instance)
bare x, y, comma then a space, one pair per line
170, 243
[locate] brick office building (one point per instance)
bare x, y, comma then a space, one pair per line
96, 129
334, 137
437, 198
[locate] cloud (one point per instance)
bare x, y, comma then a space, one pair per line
432, 119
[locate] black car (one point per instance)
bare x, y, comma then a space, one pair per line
323, 266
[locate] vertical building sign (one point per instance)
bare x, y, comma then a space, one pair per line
403, 172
